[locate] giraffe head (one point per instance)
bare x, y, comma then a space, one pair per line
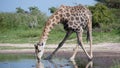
39, 49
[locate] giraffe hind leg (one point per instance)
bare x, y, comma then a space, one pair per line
79, 39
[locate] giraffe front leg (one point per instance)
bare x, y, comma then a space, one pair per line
50, 56
60, 45
74, 54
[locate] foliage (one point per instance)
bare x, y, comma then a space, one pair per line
20, 10
101, 15
111, 3
52, 9
116, 64
114, 6
21, 20
34, 10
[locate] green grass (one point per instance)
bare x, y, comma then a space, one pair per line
12, 47
56, 35
116, 64
20, 36
101, 37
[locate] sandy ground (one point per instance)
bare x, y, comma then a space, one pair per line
103, 47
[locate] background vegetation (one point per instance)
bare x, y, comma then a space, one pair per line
26, 26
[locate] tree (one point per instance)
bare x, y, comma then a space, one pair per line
111, 3
34, 10
52, 9
101, 15
20, 10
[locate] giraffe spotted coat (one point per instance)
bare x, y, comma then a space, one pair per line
73, 18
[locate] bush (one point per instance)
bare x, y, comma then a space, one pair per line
21, 20
101, 15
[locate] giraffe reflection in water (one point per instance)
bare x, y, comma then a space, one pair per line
71, 64
88, 65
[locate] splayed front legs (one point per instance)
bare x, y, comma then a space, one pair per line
60, 45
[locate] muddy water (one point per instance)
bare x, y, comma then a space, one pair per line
31, 63
61, 60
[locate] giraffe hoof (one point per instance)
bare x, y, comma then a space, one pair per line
90, 59
72, 59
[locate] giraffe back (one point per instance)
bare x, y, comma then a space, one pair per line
74, 18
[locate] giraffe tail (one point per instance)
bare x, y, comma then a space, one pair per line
88, 36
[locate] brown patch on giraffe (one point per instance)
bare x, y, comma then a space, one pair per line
81, 19
60, 15
72, 18
53, 19
51, 27
48, 23
83, 11
78, 9
78, 22
67, 14
77, 18
57, 17
71, 23
74, 26
44, 33
71, 11
77, 14
86, 20
61, 11
78, 26
56, 14
53, 24
73, 15
67, 10
75, 23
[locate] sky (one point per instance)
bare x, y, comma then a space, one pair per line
43, 5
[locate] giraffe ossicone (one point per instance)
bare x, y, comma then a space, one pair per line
74, 19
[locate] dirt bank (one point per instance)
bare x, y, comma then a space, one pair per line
103, 47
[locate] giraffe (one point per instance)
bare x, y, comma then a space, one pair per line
74, 19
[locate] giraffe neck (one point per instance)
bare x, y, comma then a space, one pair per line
49, 25
53, 20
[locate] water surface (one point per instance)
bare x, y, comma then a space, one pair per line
29, 61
